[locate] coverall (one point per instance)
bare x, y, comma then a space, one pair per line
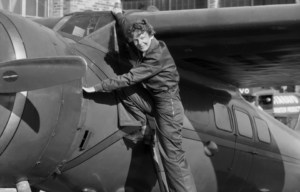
158, 72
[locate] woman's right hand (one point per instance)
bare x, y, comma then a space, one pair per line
117, 10
89, 89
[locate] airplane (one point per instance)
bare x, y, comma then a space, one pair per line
54, 137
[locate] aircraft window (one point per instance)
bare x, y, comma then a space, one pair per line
262, 130
104, 20
222, 117
244, 124
81, 25
106, 36
61, 22
6, 50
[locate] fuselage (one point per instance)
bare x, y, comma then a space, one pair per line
60, 139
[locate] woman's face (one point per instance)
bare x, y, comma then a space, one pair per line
142, 40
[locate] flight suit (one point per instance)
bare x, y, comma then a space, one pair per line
157, 71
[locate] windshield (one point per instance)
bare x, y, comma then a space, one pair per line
83, 24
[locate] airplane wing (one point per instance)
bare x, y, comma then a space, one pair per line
244, 46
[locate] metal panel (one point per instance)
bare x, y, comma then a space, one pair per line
267, 173
243, 158
129, 165
7, 51
13, 121
30, 135
17, 110
63, 132
6, 106
34, 131
37, 43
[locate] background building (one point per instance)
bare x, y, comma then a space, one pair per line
166, 4
54, 8
28, 8
57, 8
199, 4
61, 7
281, 102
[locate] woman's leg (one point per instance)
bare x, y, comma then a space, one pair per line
169, 117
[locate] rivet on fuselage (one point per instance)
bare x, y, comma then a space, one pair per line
188, 50
88, 190
264, 190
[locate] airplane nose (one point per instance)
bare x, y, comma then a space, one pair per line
6, 53
6, 107
37, 126
11, 104
6, 49
8, 36
11, 42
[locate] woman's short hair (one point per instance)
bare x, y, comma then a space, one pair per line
141, 25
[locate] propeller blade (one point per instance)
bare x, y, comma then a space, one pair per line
37, 73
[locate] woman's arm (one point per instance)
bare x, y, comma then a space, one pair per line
123, 22
150, 67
